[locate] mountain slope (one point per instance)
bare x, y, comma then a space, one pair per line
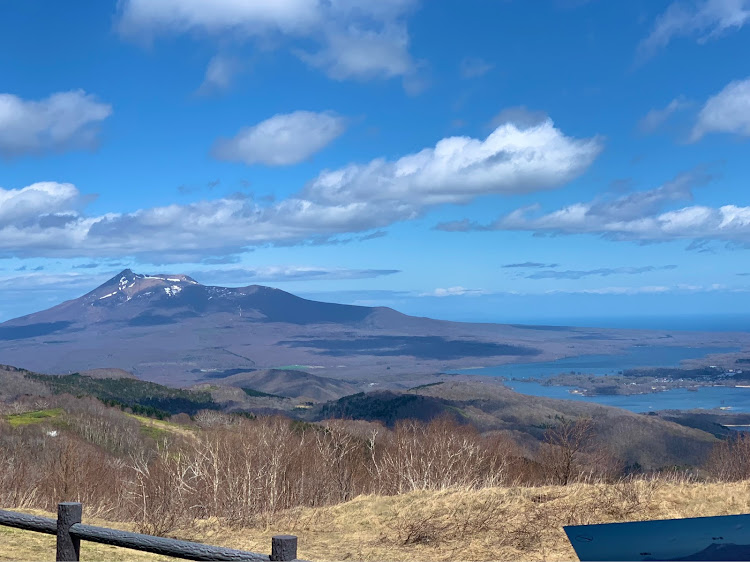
173, 330
142, 300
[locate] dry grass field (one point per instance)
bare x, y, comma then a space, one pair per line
515, 523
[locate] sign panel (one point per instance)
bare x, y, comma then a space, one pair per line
725, 537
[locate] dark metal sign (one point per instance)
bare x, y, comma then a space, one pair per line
725, 537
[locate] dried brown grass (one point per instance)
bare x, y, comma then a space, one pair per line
488, 524
511, 523
421, 491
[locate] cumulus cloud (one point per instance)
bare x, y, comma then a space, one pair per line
458, 169
283, 139
362, 198
600, 272
645, 216
454, 292
27, 205
726, 112
702, 19
657, 117
354, 39
63, 121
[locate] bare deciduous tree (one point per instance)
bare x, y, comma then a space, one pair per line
730, 459
563, 446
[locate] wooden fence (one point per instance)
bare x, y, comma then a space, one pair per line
70, 532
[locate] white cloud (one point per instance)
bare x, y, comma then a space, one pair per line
520, 116
65, 120
643, 216
381, 10
355, 38
704, 19
529, 265
363, 54
152, 17
657, 117
354, 199
454, 292
44, 198
458, 169
220, 72
474, 67
647, 289
49, 281
283, 139
600, 272
241, 275
726, 112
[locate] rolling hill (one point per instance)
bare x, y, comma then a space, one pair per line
649, 442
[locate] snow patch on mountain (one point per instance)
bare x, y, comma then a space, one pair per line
173, 290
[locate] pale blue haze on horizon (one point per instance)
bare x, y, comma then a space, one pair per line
516, 161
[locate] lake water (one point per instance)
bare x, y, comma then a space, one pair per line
707, 397
636, 356
737, 399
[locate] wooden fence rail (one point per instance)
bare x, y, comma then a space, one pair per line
70, 532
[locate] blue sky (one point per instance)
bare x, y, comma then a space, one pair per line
485, 160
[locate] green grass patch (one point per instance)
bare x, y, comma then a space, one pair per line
155, 433
146, 420
159, 429
37, 416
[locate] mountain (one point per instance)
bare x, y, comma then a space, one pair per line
145, 300
174, 330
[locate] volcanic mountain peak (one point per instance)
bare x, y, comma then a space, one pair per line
127, 276
127, 284
145, 299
